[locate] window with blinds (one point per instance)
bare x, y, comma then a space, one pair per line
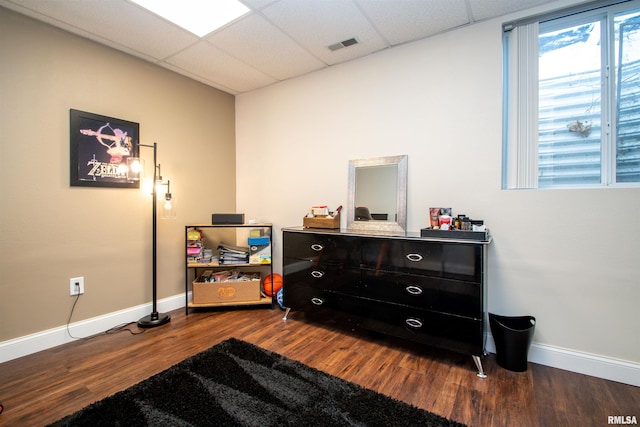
572, 113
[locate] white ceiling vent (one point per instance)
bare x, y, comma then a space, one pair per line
344, 43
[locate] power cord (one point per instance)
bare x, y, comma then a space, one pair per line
119, 328
123, 327
70, 315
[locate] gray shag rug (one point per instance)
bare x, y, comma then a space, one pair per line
235, 383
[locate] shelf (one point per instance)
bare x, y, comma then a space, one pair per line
261, 301
211, 239
217, 265
256, 225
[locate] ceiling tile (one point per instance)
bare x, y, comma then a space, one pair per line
210, 63
258, 43
415, 19
484, 9
315, 28
258, 4
113, 22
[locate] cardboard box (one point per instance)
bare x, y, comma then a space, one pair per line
226, 291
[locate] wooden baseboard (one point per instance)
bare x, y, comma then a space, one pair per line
28, 344
583, 363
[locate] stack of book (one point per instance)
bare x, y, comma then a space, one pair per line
195, 243
233, 254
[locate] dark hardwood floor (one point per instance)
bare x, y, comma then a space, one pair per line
43, 387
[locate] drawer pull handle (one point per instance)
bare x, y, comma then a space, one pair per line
317, 247
317, 301
414, 290
414, 257
414, 323
317, 274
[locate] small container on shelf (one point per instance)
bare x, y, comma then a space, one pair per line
329, 221
259, 250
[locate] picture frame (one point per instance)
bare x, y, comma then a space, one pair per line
99, 148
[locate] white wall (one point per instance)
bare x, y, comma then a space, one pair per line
568, 257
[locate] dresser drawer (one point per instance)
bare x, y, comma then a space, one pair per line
428, 327
322, 247
433, 293
451, 260
300, 297
437, 329
320, 275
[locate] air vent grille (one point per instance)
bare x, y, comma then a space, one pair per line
344, 43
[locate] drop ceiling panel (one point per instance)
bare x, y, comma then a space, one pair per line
258, 4
211, 64
316, 25
256, 42
484, 9
275, 41
416, 19
116, 23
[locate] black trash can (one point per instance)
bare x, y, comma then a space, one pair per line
512, 336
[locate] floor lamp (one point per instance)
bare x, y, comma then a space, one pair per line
134, 166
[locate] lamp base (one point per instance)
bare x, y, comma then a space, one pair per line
153, 320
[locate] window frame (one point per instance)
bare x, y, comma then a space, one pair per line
520, 143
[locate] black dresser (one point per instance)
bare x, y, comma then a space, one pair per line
427, 290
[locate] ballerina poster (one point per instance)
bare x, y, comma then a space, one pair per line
100, 147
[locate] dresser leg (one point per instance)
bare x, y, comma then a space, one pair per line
478, 363
286, 313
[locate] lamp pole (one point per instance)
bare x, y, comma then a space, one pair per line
155, 318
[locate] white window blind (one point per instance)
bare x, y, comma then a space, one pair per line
521, 45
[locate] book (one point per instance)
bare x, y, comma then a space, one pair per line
223, 247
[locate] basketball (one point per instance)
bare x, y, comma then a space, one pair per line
274, 278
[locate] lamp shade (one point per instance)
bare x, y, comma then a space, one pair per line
168, 206
135, 168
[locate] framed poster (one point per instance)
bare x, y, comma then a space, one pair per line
100, 146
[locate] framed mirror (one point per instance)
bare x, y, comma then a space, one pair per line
377, 199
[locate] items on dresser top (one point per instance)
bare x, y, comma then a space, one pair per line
321, 217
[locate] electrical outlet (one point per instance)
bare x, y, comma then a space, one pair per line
76, 286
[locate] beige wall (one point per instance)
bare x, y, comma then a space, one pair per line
49, 231
568, 257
